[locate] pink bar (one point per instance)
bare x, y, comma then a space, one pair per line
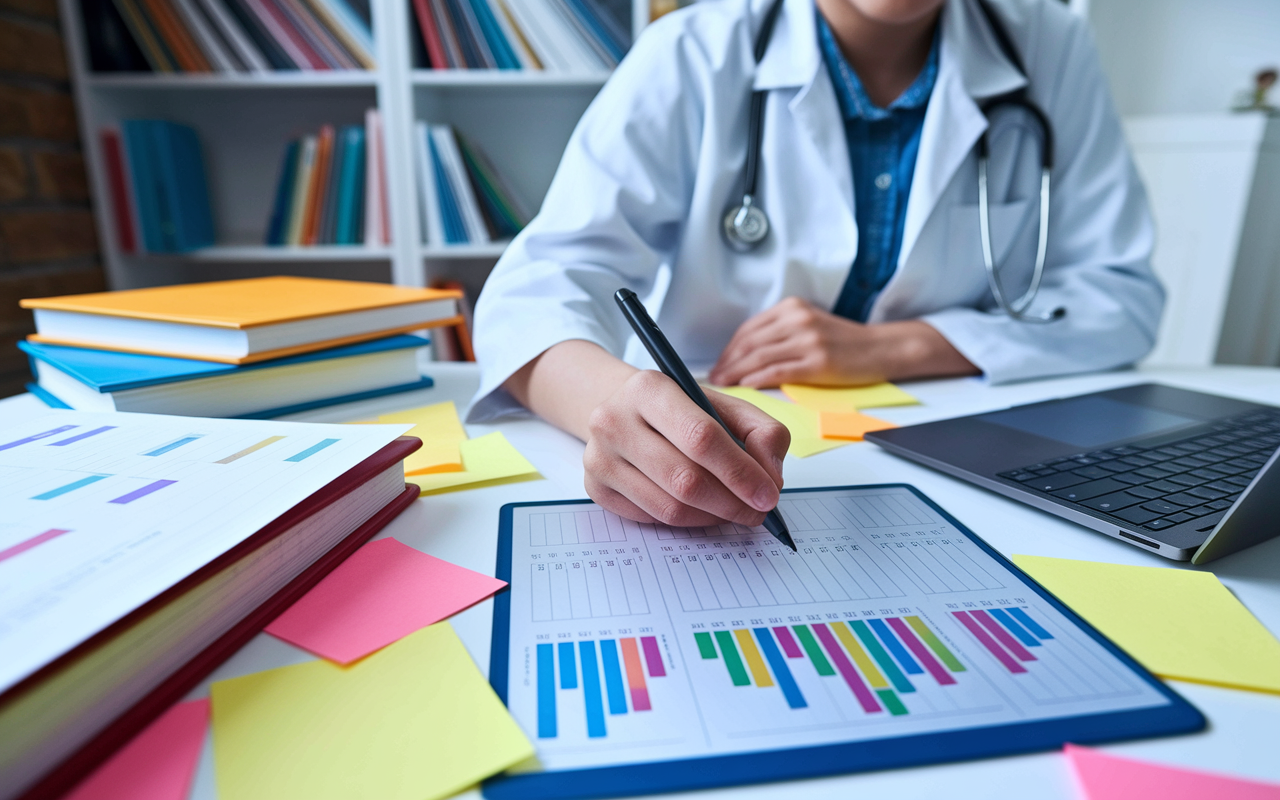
39, 538
788, 642
850, 675
640, 699
988, 642
989, 622
652, 657
921, 652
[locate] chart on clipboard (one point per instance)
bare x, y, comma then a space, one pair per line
634, 643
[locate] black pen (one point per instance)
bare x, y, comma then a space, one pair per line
671, 365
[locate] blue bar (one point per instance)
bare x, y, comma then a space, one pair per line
591, 690
546, 692
613, 677
781, 672
1014, 628
313, 449
568, 668
70, 487
895, 647
1031, 624
159, 451
84, 435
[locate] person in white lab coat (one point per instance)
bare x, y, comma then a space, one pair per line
642, 189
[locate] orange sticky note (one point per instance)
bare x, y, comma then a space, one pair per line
157, 764
385, 591
849, 425
1102, 776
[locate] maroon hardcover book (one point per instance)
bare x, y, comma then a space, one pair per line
83, 761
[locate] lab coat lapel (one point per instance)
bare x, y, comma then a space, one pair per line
971, 66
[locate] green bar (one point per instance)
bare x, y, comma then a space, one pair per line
872, 644
705, 645
811, 647
939, 649
732, 660
891, 702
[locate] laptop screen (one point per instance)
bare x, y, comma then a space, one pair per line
1088, 422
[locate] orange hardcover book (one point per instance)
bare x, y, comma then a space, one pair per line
319, 185
176, 36
241, 321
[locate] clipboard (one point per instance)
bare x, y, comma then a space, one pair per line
894, 637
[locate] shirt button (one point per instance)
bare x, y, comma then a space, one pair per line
883, 180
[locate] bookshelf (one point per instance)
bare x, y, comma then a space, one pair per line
244, 121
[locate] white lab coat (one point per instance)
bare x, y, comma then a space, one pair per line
640, 192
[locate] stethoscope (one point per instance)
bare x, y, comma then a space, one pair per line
746, 225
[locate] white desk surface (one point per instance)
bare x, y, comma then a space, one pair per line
462, 527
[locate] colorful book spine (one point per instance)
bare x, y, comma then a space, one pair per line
284, 195
118, 182
323, 190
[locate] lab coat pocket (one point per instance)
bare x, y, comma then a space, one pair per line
1013, 245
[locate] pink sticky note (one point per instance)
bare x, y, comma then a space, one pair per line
157, 764
382, 593
1107, 777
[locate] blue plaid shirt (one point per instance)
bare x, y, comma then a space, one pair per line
883, 143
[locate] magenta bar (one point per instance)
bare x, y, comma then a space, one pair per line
653, 657
921, 652
84, 435
850, 675
988, 642
997, 630
143, 492
39, 538
789, 644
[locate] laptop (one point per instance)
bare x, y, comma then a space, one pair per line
1187, 475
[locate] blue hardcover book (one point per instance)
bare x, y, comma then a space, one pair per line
329, 209
590, 19
142, 173
454, 231
107, 380
284, 195
182, 172
350, 187
498, 44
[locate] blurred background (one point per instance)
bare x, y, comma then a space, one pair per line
1190, 79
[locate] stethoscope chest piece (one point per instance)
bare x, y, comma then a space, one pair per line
745, 225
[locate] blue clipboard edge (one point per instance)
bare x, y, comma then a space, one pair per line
810, 762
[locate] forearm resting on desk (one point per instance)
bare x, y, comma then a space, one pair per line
652, 455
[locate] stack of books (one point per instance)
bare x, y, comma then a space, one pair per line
228, 35
580, 36
255, 348
332, 188
160, 195
140, 551
464, 198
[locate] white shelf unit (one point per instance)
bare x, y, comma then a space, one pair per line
245, 120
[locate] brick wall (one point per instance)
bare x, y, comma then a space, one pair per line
47, 240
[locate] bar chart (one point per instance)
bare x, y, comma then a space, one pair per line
874, 658
1047, 668
566, 668
588, 586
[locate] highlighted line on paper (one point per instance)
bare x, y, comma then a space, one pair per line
253, 448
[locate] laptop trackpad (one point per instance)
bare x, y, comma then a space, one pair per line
1088, 422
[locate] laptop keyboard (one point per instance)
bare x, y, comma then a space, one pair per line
1157, 487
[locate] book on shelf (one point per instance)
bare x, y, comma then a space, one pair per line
579, 36
105, 380
454, 343
464, 198
228, 36
322, 193
240, 321
158, 188
124, 592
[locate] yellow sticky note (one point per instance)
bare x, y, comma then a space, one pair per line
850, 398
440, 430
1178, 623
806, 438
487, 458
414, 721
849, 425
